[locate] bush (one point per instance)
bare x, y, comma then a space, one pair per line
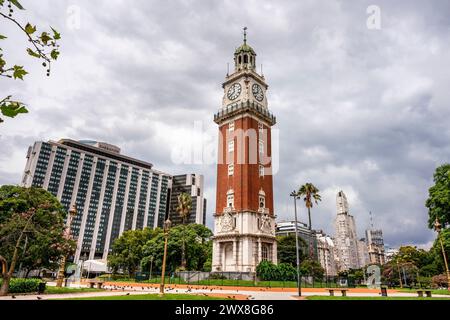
21, 285
217, 276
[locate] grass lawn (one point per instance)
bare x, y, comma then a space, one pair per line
152, 296
57, 290
371, 298
229, 282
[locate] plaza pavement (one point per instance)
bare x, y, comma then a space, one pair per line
238, 293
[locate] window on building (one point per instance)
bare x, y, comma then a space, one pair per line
261, 170
262, 202
265, 252
261, 147
230, 169
231, 126
231, 146
230, 200
260, 126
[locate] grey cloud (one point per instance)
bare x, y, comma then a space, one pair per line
360, 110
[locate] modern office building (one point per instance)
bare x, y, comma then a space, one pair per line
193, 185
112, 192
375, 246
346, 240
287, 228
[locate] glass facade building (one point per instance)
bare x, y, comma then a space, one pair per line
113, 193
192, 184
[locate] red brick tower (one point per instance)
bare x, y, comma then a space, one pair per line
244, 232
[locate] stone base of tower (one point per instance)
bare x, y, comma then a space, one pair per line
242, 240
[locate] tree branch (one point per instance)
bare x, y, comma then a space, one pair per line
40, 52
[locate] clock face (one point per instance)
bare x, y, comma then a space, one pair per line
234, 91
258, 92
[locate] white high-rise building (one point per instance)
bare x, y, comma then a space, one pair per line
112, 192
375, 245
363, 253
346, 240
326, 254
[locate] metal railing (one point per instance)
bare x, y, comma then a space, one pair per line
234, 279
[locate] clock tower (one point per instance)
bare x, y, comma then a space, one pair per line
244, 220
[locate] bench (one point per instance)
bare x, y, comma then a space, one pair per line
92, 283
422, 291
332, 290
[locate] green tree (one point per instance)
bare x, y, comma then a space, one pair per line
127, 250
286, 249
184, 209
197, 244
438, 202
436, 251
43, 46
310, 194
310, 267
267, 271
34, 217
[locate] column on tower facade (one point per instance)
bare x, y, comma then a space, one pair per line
235, 260
274, 254
259, 251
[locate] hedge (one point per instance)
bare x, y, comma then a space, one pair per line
21, 285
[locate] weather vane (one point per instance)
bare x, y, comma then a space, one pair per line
245, 35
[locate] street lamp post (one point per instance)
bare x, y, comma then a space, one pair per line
167, 225
299, 284
62, 267
438, 227
151, 266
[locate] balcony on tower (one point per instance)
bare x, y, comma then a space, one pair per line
242, 107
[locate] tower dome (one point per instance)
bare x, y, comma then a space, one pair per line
244, 56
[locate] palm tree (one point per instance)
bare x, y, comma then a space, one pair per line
184, 210
310, 193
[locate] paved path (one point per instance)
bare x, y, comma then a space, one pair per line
113, 289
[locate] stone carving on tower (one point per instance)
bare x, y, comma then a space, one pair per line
244, 233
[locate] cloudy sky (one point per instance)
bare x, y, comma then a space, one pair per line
358, 109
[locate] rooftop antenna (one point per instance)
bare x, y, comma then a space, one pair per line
228, 68
371, 220
245, 35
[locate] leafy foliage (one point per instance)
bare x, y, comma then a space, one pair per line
127, 250
310, 193
311, 267
44, 46
138, 249
438, 202
31, 231
45, 243
286, 249
267, 271
198, 248
20, 285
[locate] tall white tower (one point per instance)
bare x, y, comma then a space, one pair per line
345, 237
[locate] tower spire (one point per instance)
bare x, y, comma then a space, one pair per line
245, 35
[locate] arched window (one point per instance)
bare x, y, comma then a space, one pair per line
240, 59
230, 198
245, 58
262, 199
264, 252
